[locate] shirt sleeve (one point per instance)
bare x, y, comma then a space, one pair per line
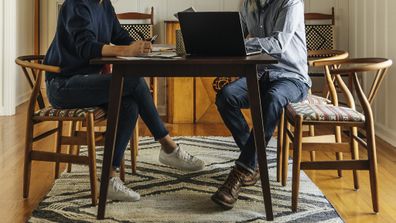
288, 21
119, 35
78, 24
243, 12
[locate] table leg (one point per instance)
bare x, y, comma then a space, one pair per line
116, 88
259, 136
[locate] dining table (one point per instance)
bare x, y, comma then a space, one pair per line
185, 66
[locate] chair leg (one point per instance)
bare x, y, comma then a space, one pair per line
58, 147
355, 156
312, 133
285, 152
27, 168
92, 157
122, 170
71, 148
297, 150
134, 148
339, 155
279, 153
373, 166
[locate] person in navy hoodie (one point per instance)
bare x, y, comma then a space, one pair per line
89, 29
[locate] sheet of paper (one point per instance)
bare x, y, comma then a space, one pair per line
161, 48
154, 55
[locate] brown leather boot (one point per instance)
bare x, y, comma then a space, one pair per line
251, 179
228, 193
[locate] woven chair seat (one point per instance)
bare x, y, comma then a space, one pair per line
314, 99
322, 112
51, 113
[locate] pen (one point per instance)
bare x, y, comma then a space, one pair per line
141, 35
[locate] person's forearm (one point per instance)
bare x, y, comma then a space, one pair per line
111, 51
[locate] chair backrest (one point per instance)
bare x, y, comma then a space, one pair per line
33, 67
365, 66
315, 56
136, 30
320, 36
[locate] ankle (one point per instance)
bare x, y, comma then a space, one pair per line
169, 150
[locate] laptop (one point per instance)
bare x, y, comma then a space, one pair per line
213, 34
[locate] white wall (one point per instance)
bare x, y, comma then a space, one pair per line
372, 34
24, 46
16, 38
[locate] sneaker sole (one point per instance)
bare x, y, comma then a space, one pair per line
134, 200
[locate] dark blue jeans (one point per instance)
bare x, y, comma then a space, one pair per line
274, 97
82, 91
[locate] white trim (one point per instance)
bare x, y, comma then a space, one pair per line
23, 98
1, 54
386, 134
9, 68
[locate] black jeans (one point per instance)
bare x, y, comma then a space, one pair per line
82, 91
274, 97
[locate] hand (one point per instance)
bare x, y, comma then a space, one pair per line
138, 48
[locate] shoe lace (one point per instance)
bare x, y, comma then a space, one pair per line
185, 155
232, 180
118, 185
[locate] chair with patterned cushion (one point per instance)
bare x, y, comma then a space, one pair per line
282, 153
333, 115
40, 112
139, 31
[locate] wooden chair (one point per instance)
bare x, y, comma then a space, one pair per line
300, 114
136, 30
283, 154
39, 112
319, 30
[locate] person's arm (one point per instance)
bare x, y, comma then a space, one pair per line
119, 35
136, 48
79, 26
289, 18
243, 12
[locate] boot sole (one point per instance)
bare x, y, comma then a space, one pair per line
222, 204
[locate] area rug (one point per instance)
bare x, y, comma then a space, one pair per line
170, 195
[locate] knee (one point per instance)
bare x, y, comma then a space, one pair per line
225, 98
129, 105
275, 101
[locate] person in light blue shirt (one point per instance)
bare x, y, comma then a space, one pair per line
275, 27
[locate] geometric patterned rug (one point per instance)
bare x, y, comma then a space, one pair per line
170, 195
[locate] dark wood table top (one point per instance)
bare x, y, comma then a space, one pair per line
243, 60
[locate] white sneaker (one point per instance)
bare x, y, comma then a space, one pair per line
119, 192
180, 159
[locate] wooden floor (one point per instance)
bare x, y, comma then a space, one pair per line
353, 206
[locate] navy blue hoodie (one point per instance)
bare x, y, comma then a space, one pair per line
84, 26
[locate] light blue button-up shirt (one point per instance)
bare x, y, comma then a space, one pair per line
277, 28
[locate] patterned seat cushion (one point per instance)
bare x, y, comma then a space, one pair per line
322, 112
314, 99
77, 113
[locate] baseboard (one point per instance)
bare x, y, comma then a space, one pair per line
7, 111
386, 134
23, 98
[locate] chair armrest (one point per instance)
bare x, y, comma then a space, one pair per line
356, 65
324, 55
